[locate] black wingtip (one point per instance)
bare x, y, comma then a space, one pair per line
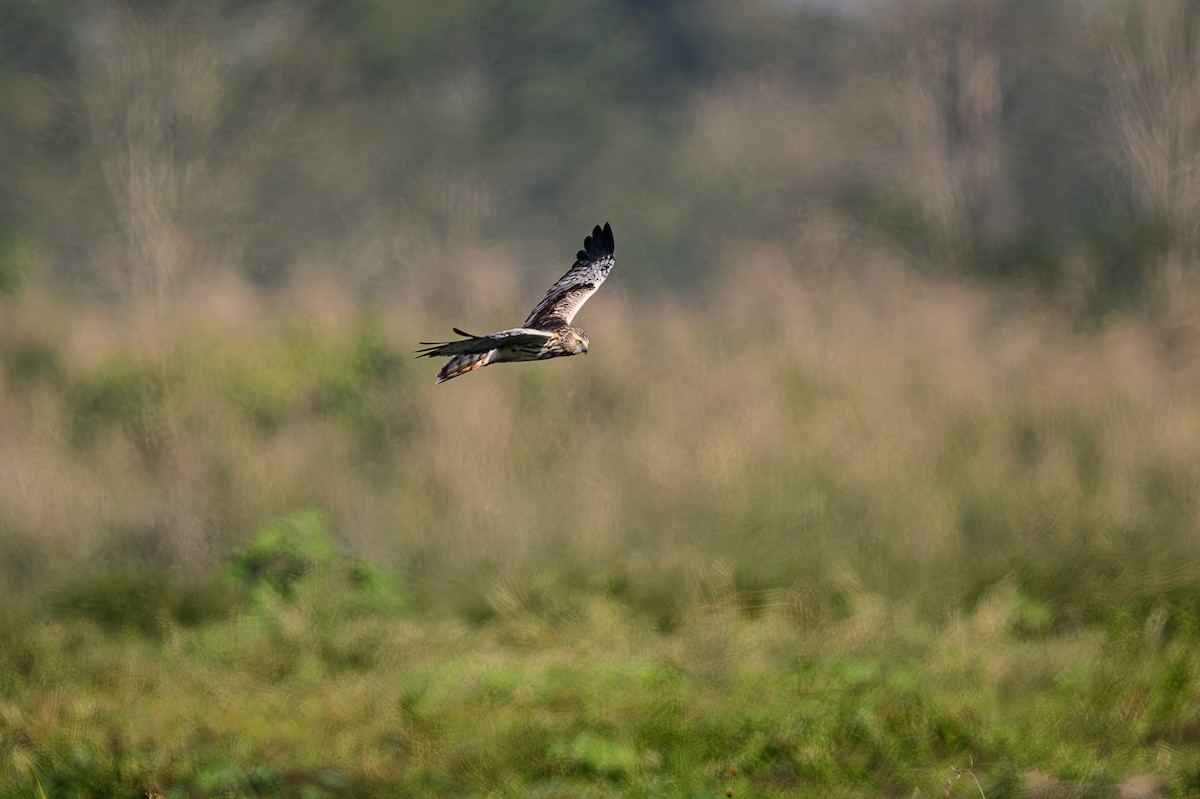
597, 245
463, 333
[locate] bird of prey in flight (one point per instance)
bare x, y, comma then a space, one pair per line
547, 331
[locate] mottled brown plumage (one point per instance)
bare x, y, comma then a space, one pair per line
547, 331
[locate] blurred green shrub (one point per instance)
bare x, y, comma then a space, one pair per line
284, 553
28, 362
142, 601
295, 558
16, 259
125, 395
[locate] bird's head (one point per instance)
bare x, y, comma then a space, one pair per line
575, 341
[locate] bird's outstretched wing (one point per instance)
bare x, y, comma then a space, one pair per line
572, 290
472, 345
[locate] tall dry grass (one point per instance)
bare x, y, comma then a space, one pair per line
815, 419
814, 431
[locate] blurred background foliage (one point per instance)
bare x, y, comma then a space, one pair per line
885, 457
149, 145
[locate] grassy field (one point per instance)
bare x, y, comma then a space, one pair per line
826, 536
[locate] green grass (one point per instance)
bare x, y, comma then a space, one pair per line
275, 560
296, 700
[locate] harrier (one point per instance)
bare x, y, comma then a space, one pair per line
547, 331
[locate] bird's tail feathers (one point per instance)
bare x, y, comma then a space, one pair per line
461, 364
